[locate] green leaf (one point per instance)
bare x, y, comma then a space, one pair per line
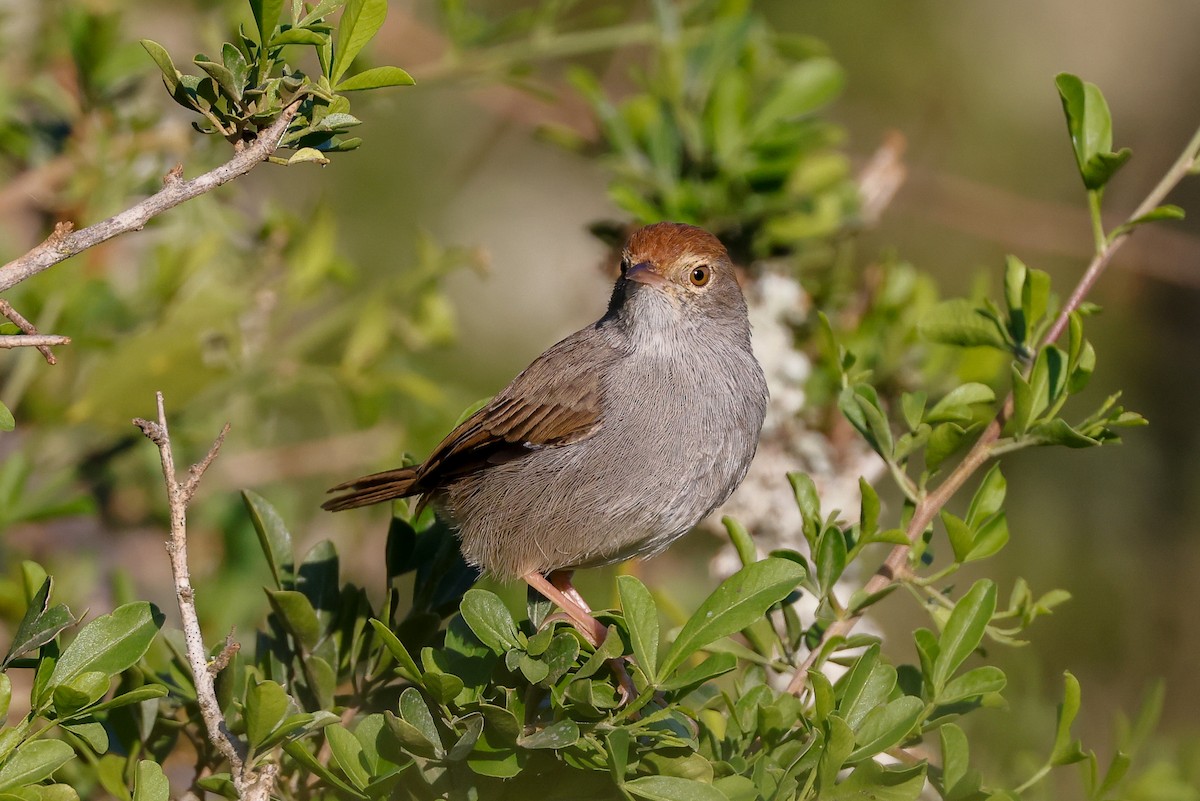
672, 788
163, 59
415, 712
1089, 123
7, 423
40, 624
347, 753
34, 761
297, 615
561, 734
977, 681
959, 322
266, 16
84, 690
912, 405
5, 696
871, 781
1067, 750
307, 154
839, 742
955, 407
618, 741
809, 504
266, 706
805, 88
151, 783
741, 540
860, 405
830, 558
944, 440
739, 600
273, 537
641, 616
1059, 432
959, 534
110, 643
376, 78
886, 726
714, 665
301, 36
988, 498
989, 539
298, 752
405, 665
964, 630
490, 619
361, 20
868, 517
222, 75
1167, 212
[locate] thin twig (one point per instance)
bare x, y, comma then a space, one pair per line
895, 566
29, 337
250, 784
65, 242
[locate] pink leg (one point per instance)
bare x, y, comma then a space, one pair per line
559, 589
580, 616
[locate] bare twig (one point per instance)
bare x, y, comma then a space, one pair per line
895, 567
251, 785
29, 336
65, 242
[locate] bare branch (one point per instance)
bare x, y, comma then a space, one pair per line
65, 242
29, 338
250, 784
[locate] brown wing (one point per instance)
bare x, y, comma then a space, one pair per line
554, 401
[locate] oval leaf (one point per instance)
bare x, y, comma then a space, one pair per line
641, 615
740, 600
376, 78
110, 643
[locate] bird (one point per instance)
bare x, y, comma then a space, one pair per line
613, 443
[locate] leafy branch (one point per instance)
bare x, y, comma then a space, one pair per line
1090, 126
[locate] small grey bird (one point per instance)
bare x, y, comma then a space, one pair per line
616, 441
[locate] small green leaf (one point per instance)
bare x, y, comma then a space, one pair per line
964, 630
5, 696
977, 681
361, 20
740, 538
307, 154
222, 75
739, 600
959, 534
347, 753
886, 726
830, 558
1167, 212
376, 78
1089, 123
868, 517
82, 691
297, 615
301, 36
163, 59
266, 16
561, 734
1067, 750
989, 539
273, 537
7, 422
40, 624
809, 503
672, 788
618, 742
806, 87
988, 498
151, 783
955, 407
490, 619
34, 761
641, 616
1060, 432
912, 405
944, 440
266, 706
414, 710
714, 665
110, 643
959, 322
405, 665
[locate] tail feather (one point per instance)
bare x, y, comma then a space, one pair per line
375, 488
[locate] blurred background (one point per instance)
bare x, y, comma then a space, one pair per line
342, 317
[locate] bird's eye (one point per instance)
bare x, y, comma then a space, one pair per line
700, 275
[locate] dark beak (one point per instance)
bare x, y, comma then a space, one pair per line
644, 273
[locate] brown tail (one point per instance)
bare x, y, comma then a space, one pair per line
375, 488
